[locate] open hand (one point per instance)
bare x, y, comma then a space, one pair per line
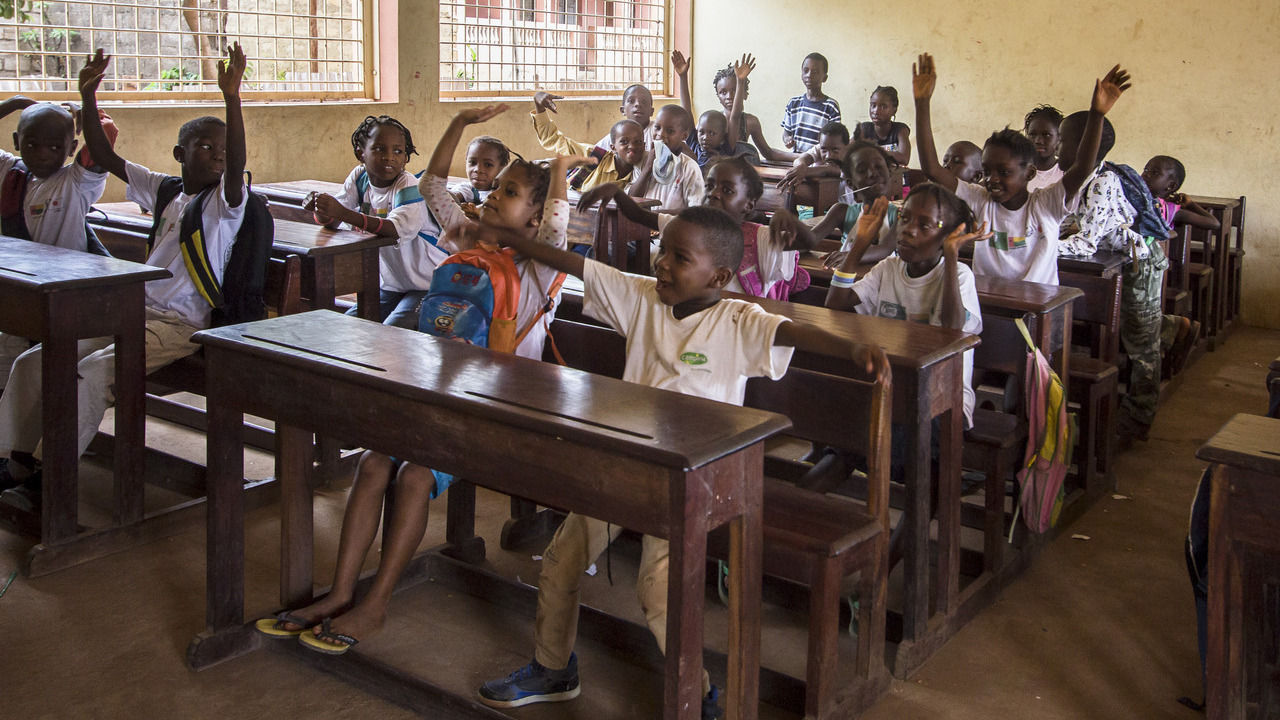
231, 70
95, 68
564, 163
742, 68
792, 178
1109, 89
784, 229
867, 230
959, 238
543, 101
835, 259
874, 361
680, 63
475, 116
924, 77
600, 193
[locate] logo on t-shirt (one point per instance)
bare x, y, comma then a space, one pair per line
693, 358
1003, 241
892, 310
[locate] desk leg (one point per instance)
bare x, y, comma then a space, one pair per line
368, 299
293, 460
682, 686
59, 420
915, 601
1225, 691
130, 440
745, 571
323, 283
949, 451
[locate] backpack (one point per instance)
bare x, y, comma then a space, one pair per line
13, 201
238, 298
749, 270
1148, 221
1051, 438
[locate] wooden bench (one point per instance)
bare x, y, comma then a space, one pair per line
1093, 382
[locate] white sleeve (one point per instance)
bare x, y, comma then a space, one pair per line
349, 198
1052, 199
775, 263
757, 332
435, 191
969, 298
7, 161
143, 185
554, 229
694, 186
663, 219
613, 297
867, 288
88, 184
975, 195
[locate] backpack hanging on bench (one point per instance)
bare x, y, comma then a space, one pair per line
13, 218
238, 298
1051, 438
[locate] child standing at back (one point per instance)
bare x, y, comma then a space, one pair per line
666, 317
804, 116
732, 85
1041, 128
1025, 224
529, 203
381, 197
884, 130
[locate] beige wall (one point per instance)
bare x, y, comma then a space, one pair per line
1205, 87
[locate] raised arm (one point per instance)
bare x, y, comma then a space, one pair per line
680, 64
15, 104
811, 338
442, 157
627, 205
741, 70
1105, 94
230, 73
95, 138
923, 80
468, 234
841, 296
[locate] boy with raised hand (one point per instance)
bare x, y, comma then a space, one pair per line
637, 106
615, 164
1025, 224
677, 311
212, 155
804, 116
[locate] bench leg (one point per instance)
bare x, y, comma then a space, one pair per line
824, 619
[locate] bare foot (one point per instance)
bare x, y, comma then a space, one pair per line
327, 606
361, 622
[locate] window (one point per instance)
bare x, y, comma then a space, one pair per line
493, 48
169, 49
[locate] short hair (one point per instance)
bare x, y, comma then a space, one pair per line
504, 155
966, 146
539, 176
1022, 149
1047, 112
42, 113
826, 67
857, 146
889, 90
1108, 131
616, 129
192, 128
686, 120
365, 131
957, 212
719, 233
1179, 170
635, 86
755, 185
836, 128
714, 114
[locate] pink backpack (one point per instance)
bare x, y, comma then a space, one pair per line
1051, 438
749, 270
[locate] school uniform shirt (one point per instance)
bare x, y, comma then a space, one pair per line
804, 119
887, 291
407, 265
776, 264
535, 278
709, 354
685, 189
221, 223
1105, 220
1025, 246
55, 206
553, 140
1045, 178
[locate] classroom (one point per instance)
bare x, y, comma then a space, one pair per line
1098, 622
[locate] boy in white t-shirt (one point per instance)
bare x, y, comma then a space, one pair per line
1025, 225
676, 315
212, 155
667, 174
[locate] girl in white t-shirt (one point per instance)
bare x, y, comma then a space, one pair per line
379, 196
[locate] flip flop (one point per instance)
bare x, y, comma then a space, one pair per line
327, 641
275, 627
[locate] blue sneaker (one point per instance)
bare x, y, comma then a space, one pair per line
532, 683
710, 705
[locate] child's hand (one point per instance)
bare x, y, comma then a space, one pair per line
469, 210
95, 68
325, 205
959, 238
792, 178
600, 193
784, 229
835, 259
874, 361
788, 141
231, 71
74, 109
462, 236
1109, 89
742, 68
564, 163
680, 63
475, 116
867, 230
543, 101
1178, 198
923, 77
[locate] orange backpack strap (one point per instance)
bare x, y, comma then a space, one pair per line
542, 311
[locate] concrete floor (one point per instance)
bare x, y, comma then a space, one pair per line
1101, 626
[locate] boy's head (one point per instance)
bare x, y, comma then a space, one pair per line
1164, 175
713, 130
202, 152
964, 160
637, 104
726, 84
1041, 127
486, 156
866, 169
884, 104
671, 126
699, 252
734, 187
517, 198
832, 140
626, 138
45, 138
1071, 132
1008, 164
813, 72
383, 145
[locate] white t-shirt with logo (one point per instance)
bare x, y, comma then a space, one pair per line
1025, 246
409, 263
887, 291
55, 206
709, 354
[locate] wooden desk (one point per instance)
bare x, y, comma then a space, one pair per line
1217, 251
286, 198
1104, 263
1244, 534
657, 462
58, 297
1049, 308
334, 262
820, 193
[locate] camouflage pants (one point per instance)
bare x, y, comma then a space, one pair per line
1141, 314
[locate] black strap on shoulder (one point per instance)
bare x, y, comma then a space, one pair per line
169, 189
13, 199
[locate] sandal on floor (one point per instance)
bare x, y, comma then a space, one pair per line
275, 627
327, 641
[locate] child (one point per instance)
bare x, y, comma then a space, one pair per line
667, 174
1164, 177
486, 157
712, 136
804, 116
613, 165
770, 265
212, 156
964, 160
822, 159
529, 203
637, 106
884, 130
381, 197
732, 86
1025, 224
1041, 128
866, 172
678, 310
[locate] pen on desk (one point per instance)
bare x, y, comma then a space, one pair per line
8, 582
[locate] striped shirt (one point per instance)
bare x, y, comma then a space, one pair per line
804, 119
